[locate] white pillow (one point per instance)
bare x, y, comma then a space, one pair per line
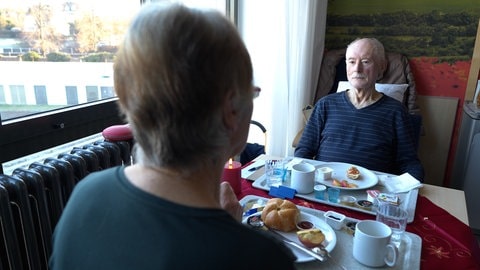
343, 85
396, 91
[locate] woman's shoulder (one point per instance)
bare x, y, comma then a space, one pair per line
101, 179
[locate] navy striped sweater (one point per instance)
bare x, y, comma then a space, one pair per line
378, 137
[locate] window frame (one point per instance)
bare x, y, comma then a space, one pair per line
27, 135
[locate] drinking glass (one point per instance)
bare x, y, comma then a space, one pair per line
396, 218
333, 194
319, 191
274, 172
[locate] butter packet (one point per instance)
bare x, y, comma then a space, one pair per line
253, 206
373, 195
388, 198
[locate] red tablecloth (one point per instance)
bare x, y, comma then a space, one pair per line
447, 243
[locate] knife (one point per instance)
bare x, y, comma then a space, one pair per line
299, 247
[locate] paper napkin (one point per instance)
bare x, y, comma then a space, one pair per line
292, 162
245, 171
402, 183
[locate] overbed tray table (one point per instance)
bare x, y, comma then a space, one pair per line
408, 200
342, 252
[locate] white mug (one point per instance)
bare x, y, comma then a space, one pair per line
303, 178
371, 244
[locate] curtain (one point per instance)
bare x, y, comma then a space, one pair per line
286, 41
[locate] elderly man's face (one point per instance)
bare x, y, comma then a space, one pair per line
362, 70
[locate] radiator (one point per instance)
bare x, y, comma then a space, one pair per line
32, 200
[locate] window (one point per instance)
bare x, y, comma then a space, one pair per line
54, 52
58, 87
2, 95
54, 85
72, 97
107, 91
92, 92
17, 93
40, 94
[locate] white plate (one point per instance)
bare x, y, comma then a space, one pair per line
330, 236
366, 180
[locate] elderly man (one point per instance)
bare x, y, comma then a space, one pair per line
361, 125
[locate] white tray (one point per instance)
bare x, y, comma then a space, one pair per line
410, 248
408, 200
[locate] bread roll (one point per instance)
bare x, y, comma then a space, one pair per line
280, 215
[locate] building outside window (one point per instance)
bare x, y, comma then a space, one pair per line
56, 60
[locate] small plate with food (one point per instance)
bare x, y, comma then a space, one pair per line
348, 176
286, 219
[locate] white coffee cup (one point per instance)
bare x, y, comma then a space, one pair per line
303, 178
371, 244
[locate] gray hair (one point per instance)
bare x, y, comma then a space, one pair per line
172, 76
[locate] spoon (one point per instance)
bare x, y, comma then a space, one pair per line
257, 223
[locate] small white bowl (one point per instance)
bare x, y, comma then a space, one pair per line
348, 200
334, 219
324, 173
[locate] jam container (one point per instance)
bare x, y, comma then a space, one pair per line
334, 219
364, 204
350, 227
305, 225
